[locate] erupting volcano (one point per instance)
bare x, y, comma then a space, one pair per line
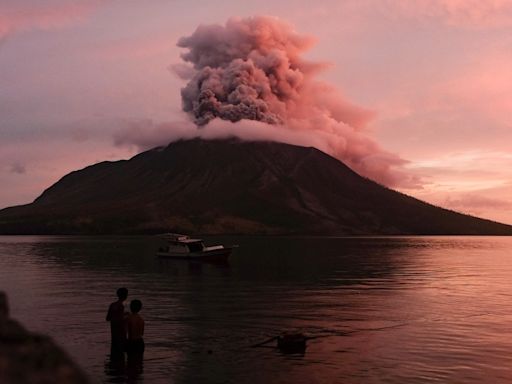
246, 79
252, 69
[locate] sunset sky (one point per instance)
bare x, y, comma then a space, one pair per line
87, 81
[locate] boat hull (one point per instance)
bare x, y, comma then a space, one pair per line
217, 255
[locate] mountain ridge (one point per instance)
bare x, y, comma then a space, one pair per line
230, 186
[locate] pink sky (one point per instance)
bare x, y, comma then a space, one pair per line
78, 79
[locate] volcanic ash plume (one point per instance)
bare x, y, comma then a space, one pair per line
251, 69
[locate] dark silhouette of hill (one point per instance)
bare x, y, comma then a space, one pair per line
231, 186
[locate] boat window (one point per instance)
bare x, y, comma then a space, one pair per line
195, 247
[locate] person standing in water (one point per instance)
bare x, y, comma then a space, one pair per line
117, 317
135, 343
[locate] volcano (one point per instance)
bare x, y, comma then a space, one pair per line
232, 187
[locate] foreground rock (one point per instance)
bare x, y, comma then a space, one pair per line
30, 358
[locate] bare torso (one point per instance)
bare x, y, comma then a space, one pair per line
135, 326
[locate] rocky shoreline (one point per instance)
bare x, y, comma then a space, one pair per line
27, 357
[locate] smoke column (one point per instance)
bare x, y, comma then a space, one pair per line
251, 69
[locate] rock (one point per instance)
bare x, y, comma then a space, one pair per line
4, 307
30, 358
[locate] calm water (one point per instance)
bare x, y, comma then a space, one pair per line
384, 310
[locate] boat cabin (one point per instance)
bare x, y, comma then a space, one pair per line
182, 244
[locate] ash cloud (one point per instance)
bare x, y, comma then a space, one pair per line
248, 69
252, 69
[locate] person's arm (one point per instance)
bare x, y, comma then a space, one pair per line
109, 313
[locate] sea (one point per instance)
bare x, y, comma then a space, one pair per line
373, 309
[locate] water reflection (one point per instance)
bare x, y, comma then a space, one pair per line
120, 369
115, 367
396, 309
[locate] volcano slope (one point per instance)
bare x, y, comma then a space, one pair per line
236, 187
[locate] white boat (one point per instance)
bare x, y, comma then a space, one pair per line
183, 247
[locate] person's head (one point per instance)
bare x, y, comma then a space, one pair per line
135, 306
122, 294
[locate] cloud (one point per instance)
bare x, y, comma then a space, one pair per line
18, 168
473, 182
144, 47
467, 170
25, 15
453, 13
475, 203
490, 202
145, 134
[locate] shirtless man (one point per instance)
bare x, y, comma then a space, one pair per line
116, 316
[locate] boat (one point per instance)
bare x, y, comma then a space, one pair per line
183, 247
